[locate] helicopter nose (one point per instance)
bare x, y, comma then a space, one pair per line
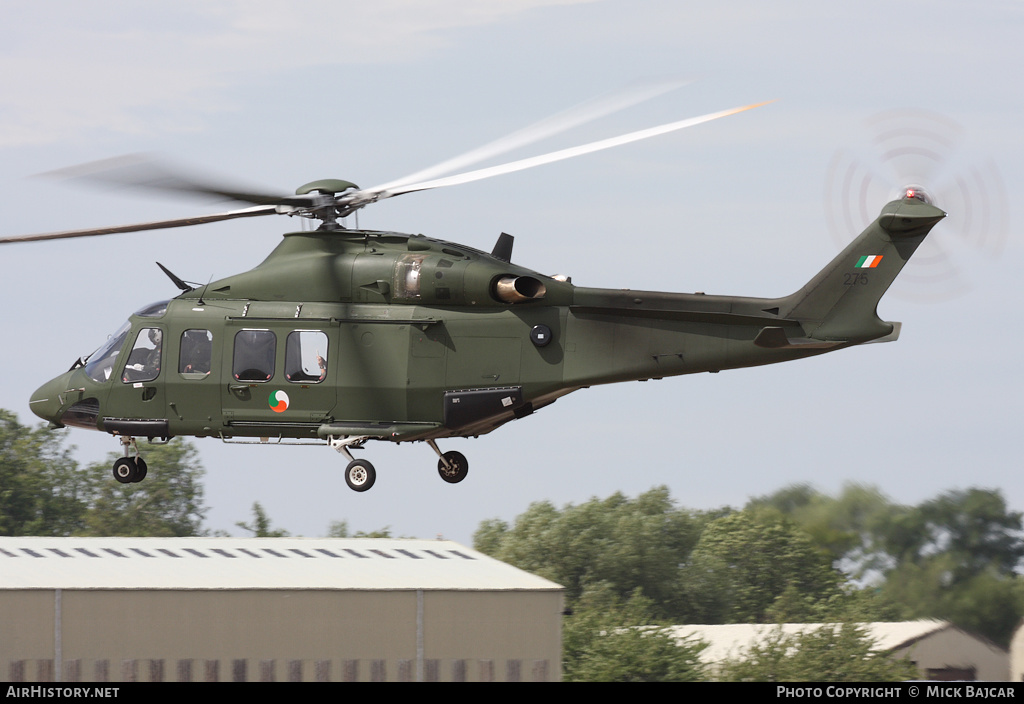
46, 401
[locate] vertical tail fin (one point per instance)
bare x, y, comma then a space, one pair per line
840, 302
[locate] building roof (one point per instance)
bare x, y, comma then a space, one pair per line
730, 640
254, 563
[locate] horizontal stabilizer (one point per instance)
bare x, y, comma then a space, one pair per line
775, 338
891, 337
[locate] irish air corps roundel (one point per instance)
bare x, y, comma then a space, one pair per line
278, 401
868, 261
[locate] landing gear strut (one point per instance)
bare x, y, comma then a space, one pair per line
359, 474
130, 470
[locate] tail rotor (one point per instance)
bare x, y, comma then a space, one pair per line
920, 152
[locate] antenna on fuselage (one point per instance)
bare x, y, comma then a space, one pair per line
201, 301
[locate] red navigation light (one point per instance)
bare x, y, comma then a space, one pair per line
917, 193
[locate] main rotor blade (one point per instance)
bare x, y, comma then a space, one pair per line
360, 198
145, 172
560, 122
138, 227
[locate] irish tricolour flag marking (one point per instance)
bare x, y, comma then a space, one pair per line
278, 401
868, 261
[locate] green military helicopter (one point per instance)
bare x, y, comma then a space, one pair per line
344, 335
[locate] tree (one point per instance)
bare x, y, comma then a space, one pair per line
624, 544
849, 526
753, 569
260, 526
831, 653
989, 604
953, 557
337, 529
42, 491
607, 639
956, 557
972, 527
168, 503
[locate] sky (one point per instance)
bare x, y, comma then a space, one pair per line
754, 204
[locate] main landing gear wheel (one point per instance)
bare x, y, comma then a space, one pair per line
129, 470
360, 475
457, 469
140, 465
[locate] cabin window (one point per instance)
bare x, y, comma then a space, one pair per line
305, 358
100, 363
144, 360
255, 351
196, 353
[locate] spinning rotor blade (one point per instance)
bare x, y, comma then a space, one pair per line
370, 195
145, 172
567, 119
138, 227
329, 199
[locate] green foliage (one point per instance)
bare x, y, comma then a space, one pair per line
750, 568
989, 603
973, 528
624, 544
337, 529
831, 653
260, 526
384, 532
607, 639
43, 491
954, 557
847, 526
168, 503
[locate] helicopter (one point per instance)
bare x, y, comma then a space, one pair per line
344, 335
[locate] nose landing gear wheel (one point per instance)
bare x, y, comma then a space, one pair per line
457, 469
360, 475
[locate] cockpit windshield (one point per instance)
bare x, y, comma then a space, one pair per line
153, 310
100, 363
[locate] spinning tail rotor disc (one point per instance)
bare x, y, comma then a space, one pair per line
921, 151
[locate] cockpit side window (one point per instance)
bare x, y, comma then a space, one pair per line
144, 360
196, 353
255, 351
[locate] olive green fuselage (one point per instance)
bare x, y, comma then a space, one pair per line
353, 333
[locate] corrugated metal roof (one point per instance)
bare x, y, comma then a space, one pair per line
254, 563
730, 640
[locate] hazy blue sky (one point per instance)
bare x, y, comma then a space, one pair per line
279, 94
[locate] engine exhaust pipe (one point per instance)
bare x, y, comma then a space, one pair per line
518, 289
